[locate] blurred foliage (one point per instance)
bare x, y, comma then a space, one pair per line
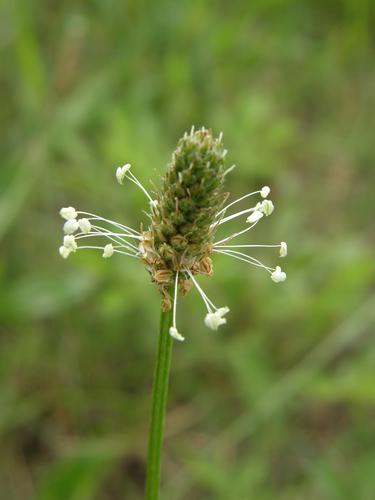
280, 403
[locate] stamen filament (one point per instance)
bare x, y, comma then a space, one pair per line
245, 258
131, 249
209, 304
247, 246
237, 201
98, 217
102, 248
234, 216
118, 237
129, 175
236, 234
175, 300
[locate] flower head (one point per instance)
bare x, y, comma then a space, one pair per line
185, 215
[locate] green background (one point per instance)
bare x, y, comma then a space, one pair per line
278, 404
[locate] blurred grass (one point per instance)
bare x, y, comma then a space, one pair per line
253, 412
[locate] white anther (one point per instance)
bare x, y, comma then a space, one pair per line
283, 249
216, 319
121, 172
278, 275
254, 217
173, 332
267, 207
108, 251
84, 225
71, 226
70, 242
64, 252
68, 213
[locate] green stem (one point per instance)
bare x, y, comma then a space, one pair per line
159, 400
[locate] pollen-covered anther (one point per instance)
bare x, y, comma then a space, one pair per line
108, 251
278, 275
84, 225
267, 207
64, 251
70, 242
173, 332
121, 172
71, 226
265, 191
283, 249
215, 319
68, 213
254, 217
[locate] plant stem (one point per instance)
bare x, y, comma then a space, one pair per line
159, 399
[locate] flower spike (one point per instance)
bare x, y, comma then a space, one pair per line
185, 214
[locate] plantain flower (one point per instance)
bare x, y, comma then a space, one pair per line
185, 215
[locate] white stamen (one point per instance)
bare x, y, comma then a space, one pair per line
68, 213
233, 216
228, 238
121, 172
70, 242
214, 320
115, 237
245, 258
278, 275
283, 249
246, 246
173, 332
108, 251
108, 221
91, 247
129, 175
265, 191
84, 225
237, 201
208, 303
64, 252
70, 226
267, 207
254, 217
131, 249
228, 170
